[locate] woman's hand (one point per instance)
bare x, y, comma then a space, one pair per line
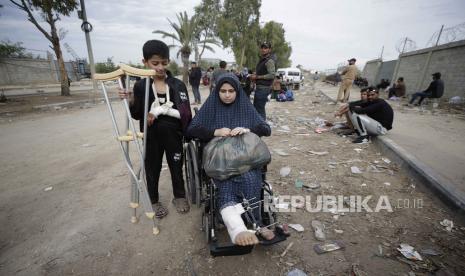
239, 131
222, 132
150, 119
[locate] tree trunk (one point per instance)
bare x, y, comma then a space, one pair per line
185, 67
242, 57
196, 52
61, 64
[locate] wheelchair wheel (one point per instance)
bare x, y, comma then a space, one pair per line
191, 170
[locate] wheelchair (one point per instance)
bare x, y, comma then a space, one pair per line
201, 191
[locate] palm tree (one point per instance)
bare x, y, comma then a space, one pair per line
185, 35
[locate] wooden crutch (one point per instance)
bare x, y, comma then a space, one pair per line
138, 180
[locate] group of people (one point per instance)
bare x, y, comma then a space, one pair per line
227, 112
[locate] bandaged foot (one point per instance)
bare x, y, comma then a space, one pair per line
236, 227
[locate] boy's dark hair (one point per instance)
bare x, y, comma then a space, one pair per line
223, 64
401, 78
155, 47
364, 89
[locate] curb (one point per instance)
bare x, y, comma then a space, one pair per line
418, 170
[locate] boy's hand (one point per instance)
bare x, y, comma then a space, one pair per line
124, 94
150, 119
239, 131
222, 132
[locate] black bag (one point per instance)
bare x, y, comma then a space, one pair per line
224, 157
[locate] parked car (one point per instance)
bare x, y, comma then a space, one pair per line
292, 76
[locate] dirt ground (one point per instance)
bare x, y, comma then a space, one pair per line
82, 225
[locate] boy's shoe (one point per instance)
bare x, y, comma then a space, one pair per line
361, 140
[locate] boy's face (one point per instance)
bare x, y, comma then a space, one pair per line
363, 96
158, 64
372, 95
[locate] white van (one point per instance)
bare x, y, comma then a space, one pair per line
291, 75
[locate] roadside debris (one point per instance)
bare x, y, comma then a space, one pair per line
318, 152
318, 228
285, 171
328, 247
409, 252
281, 152
386, 160
298, 183
449, 224
297, 227
48, 189
430, 251
296, 272
287, 249
355, 170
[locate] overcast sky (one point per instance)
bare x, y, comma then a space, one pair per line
322, 33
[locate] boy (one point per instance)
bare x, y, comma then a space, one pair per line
168, 118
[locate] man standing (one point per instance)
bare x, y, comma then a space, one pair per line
216, 74
264, 76
348, 77
195, 74
434, 90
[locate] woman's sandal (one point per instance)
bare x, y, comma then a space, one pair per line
181, 204
160, 210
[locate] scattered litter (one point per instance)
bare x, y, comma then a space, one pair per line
363, 185
312, 186
318, 152
285, 128
409, 252
87, 145
318, 228
449, 224
285, 171
372, 168
387, 161
320, 130
48, 189
287, 249
356, 271
328, 247
387, 183
430, 252
331, 166
298, 183
296, 272
456, 100
333, 143
302, 172
337, 231
358, 150
380, 251
355, 170
281, 152
297, 227
302, 134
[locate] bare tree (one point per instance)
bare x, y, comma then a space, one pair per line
50, 11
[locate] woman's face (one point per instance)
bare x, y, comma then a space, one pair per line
227, 93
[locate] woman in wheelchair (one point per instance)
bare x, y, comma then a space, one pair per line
229, 112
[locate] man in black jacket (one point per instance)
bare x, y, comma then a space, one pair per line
195, 74
372, 118
434, 90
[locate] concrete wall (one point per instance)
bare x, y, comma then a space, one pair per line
370, 71
417, 66
386, 71
18, 71
24, 71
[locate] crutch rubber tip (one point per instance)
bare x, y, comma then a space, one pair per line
150, 215
156, 231
134, 220
134, 205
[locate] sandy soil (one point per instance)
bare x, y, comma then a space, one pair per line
82, 226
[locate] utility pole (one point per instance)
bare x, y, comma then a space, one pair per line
86, 27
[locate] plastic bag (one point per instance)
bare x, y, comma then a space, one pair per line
224, 157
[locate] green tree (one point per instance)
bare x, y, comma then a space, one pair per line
184, 33
207, 17
9, 49
50, 11
238, 25
275, 33
105, 67
173, 67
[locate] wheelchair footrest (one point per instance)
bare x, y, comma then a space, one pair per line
229, 249
279, 237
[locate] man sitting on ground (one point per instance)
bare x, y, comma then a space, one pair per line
398, 89
434, 90
344, 110
371, 118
